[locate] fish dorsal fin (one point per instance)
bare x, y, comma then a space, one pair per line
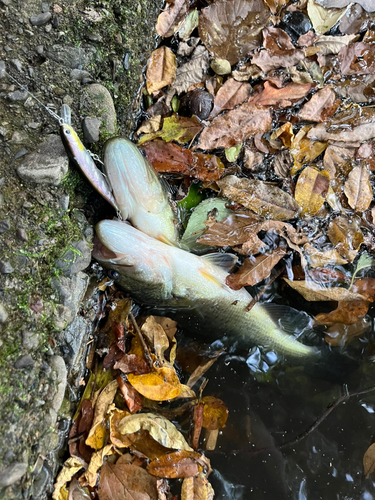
290, 320
225, 261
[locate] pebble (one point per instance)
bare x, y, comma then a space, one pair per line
79, 74
6, 2
72, 263
18, 95
12, 473
30, 340
45, 7
39, 49
3, 314
20, 153
40, 19
20, 31
48, 165
4, 225
24, 362
64, 202
71, 57
61, 317
33, 125
2, 69
17, 64
94, 37
91, 128
21, 234
71, 290
58, 365
7, 48
3, 132
97, 101
48, 28
6, 267
19, 137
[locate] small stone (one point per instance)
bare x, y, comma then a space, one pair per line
58, 366
55, 22
48, 28
45, 7
67, 99
6, 267
18, 95
30, 70
12, 473
33, 125
79, 74
4, 225
21, 234
24, 362
6, 2
3, 132
40, 19
19, 137
71, 57
94, 37
64, 202
39, 49
2, 69
30, 340
17, 64
20, 153
61, 317
3, 314
75, 260
97, 101
20, 31
91, 128
57, 9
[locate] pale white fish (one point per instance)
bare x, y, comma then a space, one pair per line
138, 192
166, 276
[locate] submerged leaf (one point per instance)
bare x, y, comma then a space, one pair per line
230, 95
197, 488
357, 59
369, 460
312, 291
161, 69
215, 413
311, 189
319, 259
323, 19
171, 17
358, 189
193, 71
347, 313
159, 385
304, 150
340, 334
282, 97
346, 237
180, 464
320, 107
175, 128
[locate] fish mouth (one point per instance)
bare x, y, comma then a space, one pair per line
101, 252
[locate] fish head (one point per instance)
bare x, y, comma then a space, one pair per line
141, 264
72, 143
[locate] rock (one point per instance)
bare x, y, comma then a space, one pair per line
2, 69
44, 479
5, 267
79, 74
19, 137
48, 165
40, 19
74, 338
18, 95
45, 7
64, 202
4, 225
75, 260
61, 317
71, 290
24, 362
30, 340
39, 49
3, 132
21, 234
97, 101
94, 37
72, 57
91, 127
17, 64
48, 28
3, 314
12, 473
20, 153
57, 364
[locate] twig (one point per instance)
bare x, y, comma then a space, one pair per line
141, 339
265, 288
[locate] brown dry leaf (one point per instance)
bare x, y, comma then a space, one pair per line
230, 29
172, 158
180, 464
131, 363
159, 428
117, 315
285, 134
71, 467
197, 488
345, 236
215, 413
161, 69
132, 398
169, 20
115, 417
156, 338
312, 291
192, 72
122, 481
254, 270
282, 97
160, 385
320, 107
95, 464
357, 59
236, 126
311, 189
369, 460
319, 259
366, 287
175, 128
230, 95
97, 432
358, 188
304, 150
347, 313
340, 334
337, 162
264, 199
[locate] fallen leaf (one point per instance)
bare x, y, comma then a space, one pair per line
340, 334
230, 29
367, 5
175, 128
159, 428
221, 66
122, 481
304, 150
180, 464
231, 154
357, 59
201, 369
311, 189
358, 189
97, 432
276, 5
230, 95
366, 287
337, 162
215, 413
347, 313
326, 258
169, 19
193, 71
264, 199
320, 107
188, 25
161, 69
282, 97
96, 463
159, 385
359, 89
131, 397
345, 236
71, 466
285, 134
333, 44
283, 163
131, 363
172, 158
197, 488
369, 461
323, 19
314, 292
236, 126
256, 269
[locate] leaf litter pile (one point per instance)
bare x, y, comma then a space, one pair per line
261, 115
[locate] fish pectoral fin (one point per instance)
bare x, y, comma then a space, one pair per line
212, 278
290, 320
225, 261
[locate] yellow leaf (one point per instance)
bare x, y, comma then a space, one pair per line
175, 128
358, 188
305, 150
116, 438
161, 69
161, 385
311, 188
285, 134
96, 462
97, 432
71, 467
197, 488
323, 19
215, 413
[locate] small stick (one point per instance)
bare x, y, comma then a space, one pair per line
265, 288
141, 339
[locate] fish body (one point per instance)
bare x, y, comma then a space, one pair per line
166, 276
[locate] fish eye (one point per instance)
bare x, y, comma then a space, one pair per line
113, 274
67, 131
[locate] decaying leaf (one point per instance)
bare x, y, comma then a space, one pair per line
304, 150
333, 44
169, 19
312, 291
131, 363
340, 334
96, 435
357, 59
358, 188
320, 107
132, 398
161, 69
230, 29
215, 413
369, 460
347, 313
236, 126
367, 5
180, 464
168, 157
281, 97
320, 259
230, 95
193, 71
264, 199
285, 134
254, 270
188, 25
345, 236
175, 128
197, 488
95, 464
311, 189
323, 19
71, 467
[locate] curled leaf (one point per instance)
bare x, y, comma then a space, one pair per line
171, 17
311, 189
346, 237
